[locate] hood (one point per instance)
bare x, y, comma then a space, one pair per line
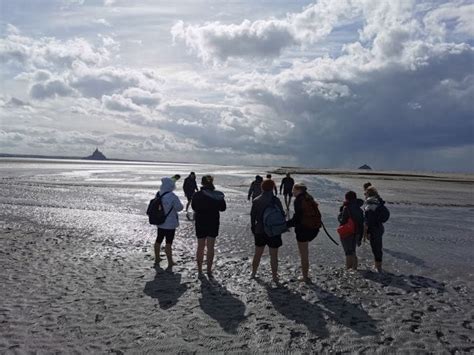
167, 185
215, 195
373, 200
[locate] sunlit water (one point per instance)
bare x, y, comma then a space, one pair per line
106, 202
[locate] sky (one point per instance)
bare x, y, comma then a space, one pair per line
323, 84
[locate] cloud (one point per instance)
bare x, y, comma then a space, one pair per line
263, 38
51, 54
119, 103
49, 89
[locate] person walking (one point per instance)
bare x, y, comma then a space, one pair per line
373, 226
269, 177
351, 208
207, 205
171, 206
261, 239
287, 186
255, 189
307, 222
190, 187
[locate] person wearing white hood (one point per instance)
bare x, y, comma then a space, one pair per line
171, 206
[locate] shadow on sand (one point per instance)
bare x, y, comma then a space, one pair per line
166, 287
346, 313
406, 257
410, 283
294, 307
218, 303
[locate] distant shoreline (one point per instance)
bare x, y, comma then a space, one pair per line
381, 175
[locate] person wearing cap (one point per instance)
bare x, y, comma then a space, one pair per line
171, 205
259, 205
351, 208
190, 187
255, 188
207, 204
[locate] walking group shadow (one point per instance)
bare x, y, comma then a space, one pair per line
229, 311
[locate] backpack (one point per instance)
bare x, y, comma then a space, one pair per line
274, 222
382, 212
311, 216
156, 212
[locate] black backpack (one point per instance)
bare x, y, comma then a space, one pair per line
156, 212
383, 214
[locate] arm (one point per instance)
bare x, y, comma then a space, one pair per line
178, 206
195, 186
276, 191
297, 215
253, 218
343, 216
222, 205
281, 185
250, 191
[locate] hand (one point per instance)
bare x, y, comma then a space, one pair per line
252, 229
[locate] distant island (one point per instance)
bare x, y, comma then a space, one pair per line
97, 155
365, 167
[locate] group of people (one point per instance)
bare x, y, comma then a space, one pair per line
207, 203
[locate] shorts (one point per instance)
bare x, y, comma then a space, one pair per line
202, 236
287, 193
165, 233
306, 235
273, 242
349, 245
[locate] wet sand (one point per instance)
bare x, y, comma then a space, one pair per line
77, 276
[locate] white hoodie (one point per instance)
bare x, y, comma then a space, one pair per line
170, 200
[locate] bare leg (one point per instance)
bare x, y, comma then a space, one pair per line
286, 201
210, 253
169, 255
256, 259
157, 252
200, 253
274, 263
355, 264
303, 249
187, 205
289, 201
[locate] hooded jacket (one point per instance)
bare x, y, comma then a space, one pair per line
370, 214
207, 203
170, 200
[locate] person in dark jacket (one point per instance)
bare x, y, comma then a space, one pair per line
287, 186
190, 187
255, 189
304, 234
269, 177
207, 203
373, 228
259, 204
351, 208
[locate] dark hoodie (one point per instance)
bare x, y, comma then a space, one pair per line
353, 209
207, 203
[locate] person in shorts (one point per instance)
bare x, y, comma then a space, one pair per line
259, 204
171, 205
304, 234
207, 205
